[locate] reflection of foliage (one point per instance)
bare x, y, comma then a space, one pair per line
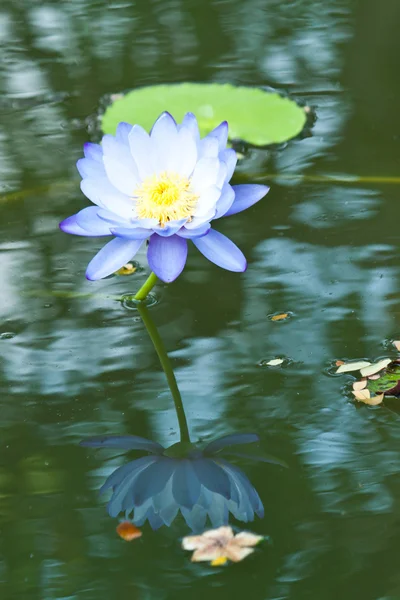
198, 483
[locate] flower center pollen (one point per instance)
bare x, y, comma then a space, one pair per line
165, 197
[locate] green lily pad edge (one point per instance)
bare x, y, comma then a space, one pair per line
255, 116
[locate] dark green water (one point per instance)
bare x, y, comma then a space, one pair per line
323, 245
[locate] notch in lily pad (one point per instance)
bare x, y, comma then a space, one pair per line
256, 116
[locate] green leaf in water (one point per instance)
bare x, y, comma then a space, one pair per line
255, 116
387, 381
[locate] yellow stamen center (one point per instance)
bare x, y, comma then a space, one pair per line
165, 197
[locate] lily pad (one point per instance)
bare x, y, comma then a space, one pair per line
255, 116
388, 382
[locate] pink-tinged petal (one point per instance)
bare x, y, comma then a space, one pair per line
222, 251
229, 157
131, 233
122, 133
208, 147
90, 221
119, 165
225, 201
70, 225
164, 137
189, 234
167, 256
141, 147
205, 174
93, 151
112, 257
246, 195
207, 201
101, 192
89, 167
221, 134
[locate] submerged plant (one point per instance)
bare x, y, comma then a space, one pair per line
165, 187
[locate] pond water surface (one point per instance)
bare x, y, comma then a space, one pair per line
323, 246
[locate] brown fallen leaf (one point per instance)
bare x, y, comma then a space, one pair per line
360, 385
128, 531
339, 363
279, 317
365, 396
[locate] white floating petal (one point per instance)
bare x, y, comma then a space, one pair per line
275, 362
375, 368
354, 366
359, 385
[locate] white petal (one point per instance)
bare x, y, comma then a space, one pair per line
207, 201
205, 174
142, 151
119, 165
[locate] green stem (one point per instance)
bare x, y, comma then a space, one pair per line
167, 368
146, 287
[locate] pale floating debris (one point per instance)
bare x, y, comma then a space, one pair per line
396, 344
220, 545
354, 366
365, 396
374, 377
275, 362
339, 363
279, 317
359, 385
375, 368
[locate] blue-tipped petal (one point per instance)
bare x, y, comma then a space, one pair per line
185, 484
212, 476
89, 220
122, 133
112, 257
222, 251
190, 122
153, 480
229, 157
131, 233
70, 225
170, 229
89, 167
221, 134
167, 256
127, 442
121, 500
233, 439
246, 195
189, 234
225, 200
93, 151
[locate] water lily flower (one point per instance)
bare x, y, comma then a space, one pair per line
165, 187
198, 483
220, 545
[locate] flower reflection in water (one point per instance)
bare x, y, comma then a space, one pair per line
198, 483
